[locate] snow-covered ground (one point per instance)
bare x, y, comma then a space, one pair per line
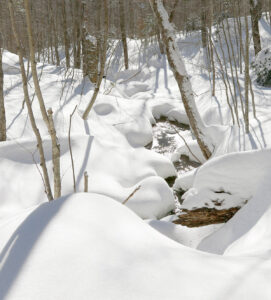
88, 246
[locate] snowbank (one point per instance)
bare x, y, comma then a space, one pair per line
113, 170
226, 181
113, 254
249, 230
109, 145
190, 237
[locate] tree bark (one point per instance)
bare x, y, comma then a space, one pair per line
256, 13
65, 32
28, 104
172, 14
55, 155
204, 30
182, 78
247, 77
123, 33
3, 128
49, 123
77, 33
103, 61
89, 53
55, 38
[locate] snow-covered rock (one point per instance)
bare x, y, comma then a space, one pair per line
226, 181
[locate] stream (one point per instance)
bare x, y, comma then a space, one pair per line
166, 141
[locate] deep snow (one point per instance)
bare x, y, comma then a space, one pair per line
86, 246
74, 248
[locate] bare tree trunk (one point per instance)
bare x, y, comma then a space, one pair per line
55, 155
160, 42
181, 76
33, 64
247, 77
204, 31
103, 61
85, 182
77, 32
29, 107
211, 46
54, 34
66, 36
3, 128
49, 123
234, 94
172, 14
256, 13
89, 53
123, 33
224, 81
233, 58
98, 30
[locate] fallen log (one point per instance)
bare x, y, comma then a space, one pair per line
205, 216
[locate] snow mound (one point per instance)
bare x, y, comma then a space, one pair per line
226, 181
113, 254
190, 237
113, 170
240, 235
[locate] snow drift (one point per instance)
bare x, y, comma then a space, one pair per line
104, 251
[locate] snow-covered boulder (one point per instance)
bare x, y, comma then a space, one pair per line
262, 67
226, 181
249, 230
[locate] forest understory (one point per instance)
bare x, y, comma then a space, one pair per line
135, 149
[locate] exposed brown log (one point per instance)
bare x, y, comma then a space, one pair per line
205, 216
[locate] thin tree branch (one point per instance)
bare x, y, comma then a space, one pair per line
131, 195
70, 147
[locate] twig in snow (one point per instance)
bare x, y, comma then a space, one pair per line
138, 72
131, 195
86, 182
70, 147
189, 149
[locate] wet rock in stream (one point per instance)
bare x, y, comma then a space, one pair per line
166, 141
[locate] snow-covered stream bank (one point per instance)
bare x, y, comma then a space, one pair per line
89, 245
167, 135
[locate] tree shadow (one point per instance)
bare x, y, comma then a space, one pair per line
219, 109
15, 118
261, 130
22, 242
164, 67
86, 156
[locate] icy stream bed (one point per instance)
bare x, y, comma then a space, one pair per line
166, 141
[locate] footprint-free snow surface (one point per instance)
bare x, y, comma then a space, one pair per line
90, 245
81, 247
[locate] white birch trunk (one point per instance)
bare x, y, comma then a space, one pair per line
177, 65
